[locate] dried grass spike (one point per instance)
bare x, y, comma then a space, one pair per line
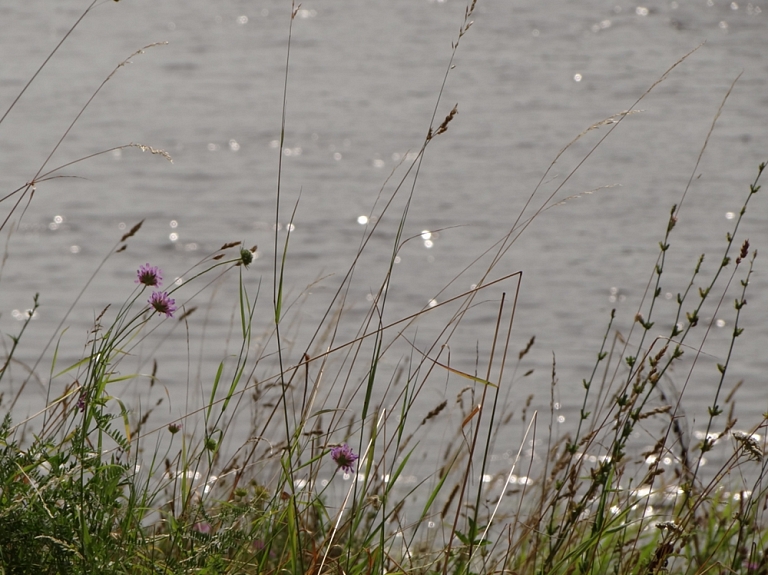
444, 126
187, 313
132, 231
435, 412
151, 150
655, 411
527, 348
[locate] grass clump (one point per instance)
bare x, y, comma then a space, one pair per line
326, 479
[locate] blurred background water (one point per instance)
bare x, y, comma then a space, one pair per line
363, 81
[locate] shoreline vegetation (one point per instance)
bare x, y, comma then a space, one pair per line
87, 486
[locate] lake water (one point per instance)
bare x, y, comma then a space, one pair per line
363, 81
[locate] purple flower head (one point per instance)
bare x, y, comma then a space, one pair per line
162, 303
81, 402
150, 276
344, 457
204, 528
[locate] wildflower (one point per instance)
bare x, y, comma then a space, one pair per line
174, 428
162, 303
81, 402
148, 275
204, 528
344, 457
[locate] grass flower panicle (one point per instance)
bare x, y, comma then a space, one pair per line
150, 276
344, 457
162, 303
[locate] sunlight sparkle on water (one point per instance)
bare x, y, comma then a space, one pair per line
601, 25
577, 77
362, 220
23, 315
616, 295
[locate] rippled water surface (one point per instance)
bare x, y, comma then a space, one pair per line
363, 81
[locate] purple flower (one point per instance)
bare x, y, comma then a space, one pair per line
204, 528
344, 457
150, 276
162, 303
81, 402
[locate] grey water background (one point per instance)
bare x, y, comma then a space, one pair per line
363, 80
